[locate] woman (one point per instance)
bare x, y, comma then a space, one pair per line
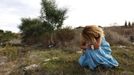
96, 50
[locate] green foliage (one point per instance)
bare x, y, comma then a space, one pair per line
6, 36
51, 14
129, 24
125, 24
52, 17
133, 24
1, 31
30, 28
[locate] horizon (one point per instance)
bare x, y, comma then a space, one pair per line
80, 13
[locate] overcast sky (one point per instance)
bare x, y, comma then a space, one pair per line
80, 12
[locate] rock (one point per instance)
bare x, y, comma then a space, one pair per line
31, 67
47, 60
54, 58
79, 52
122, 46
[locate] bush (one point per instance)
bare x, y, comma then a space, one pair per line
10, 52
64, 35
114, 38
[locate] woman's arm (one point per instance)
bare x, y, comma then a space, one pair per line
83, 45
98, 43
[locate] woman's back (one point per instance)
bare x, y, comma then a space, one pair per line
105, 46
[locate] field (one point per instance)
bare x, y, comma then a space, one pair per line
31, 61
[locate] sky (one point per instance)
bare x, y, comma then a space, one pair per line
80, 12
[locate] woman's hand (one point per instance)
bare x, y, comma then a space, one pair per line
87, 45
92, 46
97, 44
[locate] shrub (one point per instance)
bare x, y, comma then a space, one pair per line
65, 35
115, 38
10, 52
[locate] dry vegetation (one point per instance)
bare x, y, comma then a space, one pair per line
120, 35
64, 61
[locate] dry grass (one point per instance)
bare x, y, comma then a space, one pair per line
124, 32
65, 62
115, 38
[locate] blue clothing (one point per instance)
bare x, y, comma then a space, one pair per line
101, 56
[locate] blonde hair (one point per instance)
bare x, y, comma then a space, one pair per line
91, 34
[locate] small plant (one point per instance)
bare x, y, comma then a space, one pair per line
10, 52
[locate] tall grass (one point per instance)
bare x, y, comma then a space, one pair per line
115, 38
10, 52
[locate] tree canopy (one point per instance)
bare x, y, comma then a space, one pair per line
51, 14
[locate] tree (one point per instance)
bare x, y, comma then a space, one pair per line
6, 36
126, 24
52, 17
133, 24
31, 29
51, 14
50, 20
129, 24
